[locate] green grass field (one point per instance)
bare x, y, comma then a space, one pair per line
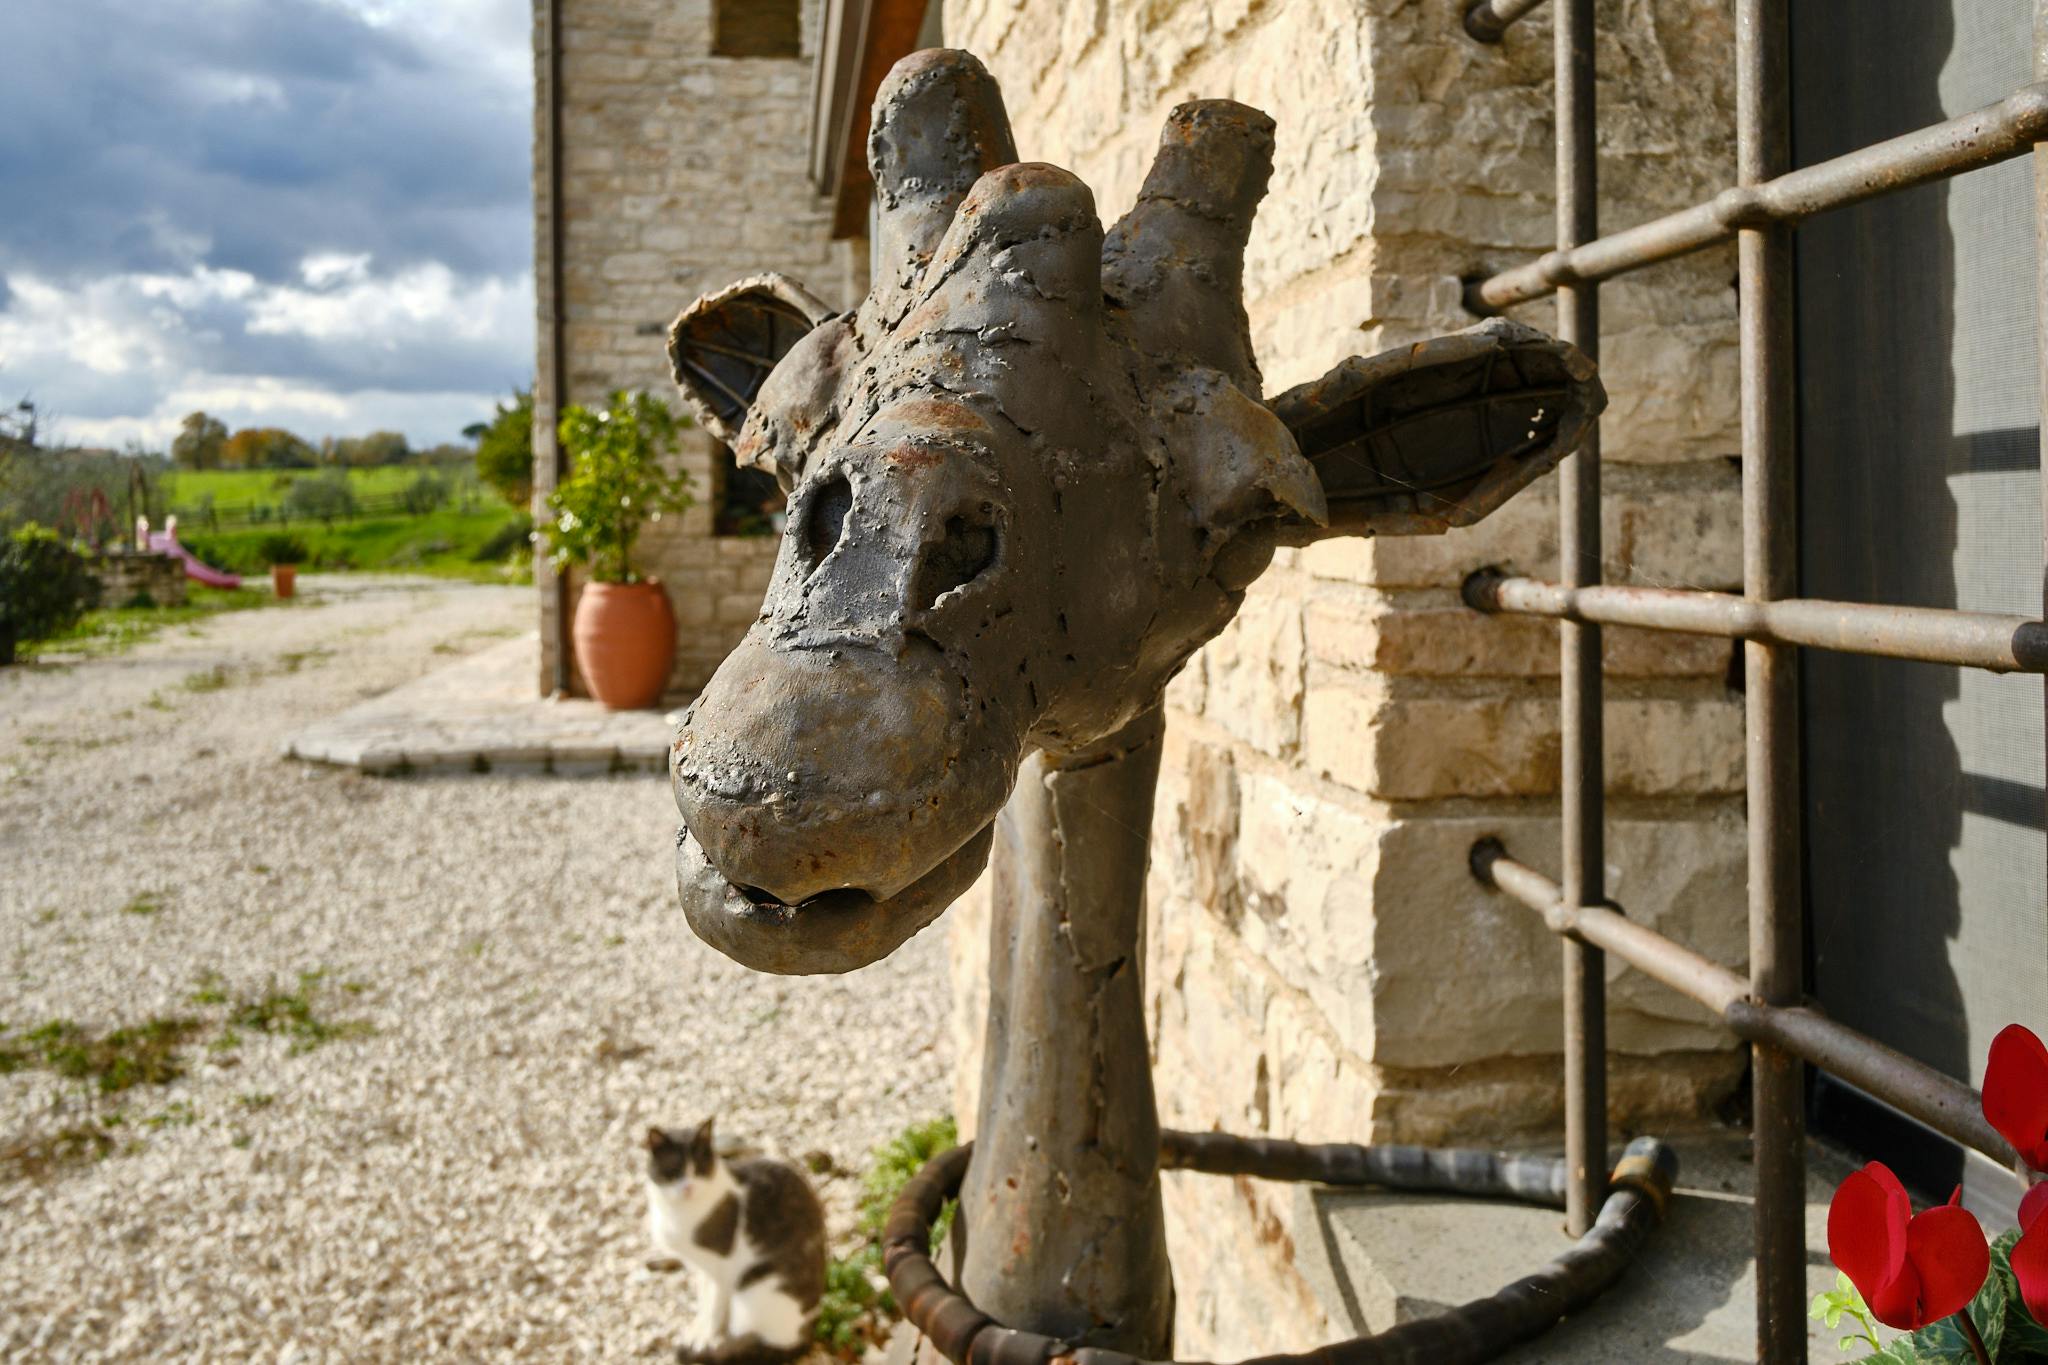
485, 544
236, 489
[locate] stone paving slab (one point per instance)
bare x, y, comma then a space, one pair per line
481, 714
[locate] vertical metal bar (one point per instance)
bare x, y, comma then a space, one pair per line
2041, 291
1769, 570
1583, 785
550, 388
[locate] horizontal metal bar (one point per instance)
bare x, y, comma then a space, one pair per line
1939, 1101
1969, 639
1993, 134
1487, 20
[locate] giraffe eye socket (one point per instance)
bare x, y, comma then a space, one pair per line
825, 520
966, 551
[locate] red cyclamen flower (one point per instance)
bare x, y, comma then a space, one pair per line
2030, 1253
2016, 1092
1912, 1270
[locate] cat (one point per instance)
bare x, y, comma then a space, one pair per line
754, 1232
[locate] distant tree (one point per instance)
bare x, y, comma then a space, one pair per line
267, 448
324, 497
199, 442
426, 492
504, 450
378, 448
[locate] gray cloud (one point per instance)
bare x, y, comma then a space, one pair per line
217, 145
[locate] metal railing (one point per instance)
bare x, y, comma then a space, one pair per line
1768, 1010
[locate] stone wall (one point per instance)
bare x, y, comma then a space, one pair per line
1321, 963
681, 172
126, 577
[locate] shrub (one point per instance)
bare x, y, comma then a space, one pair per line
325, 497
282, 547
426, 492
505, 543
504, 450
616, 486
45, 585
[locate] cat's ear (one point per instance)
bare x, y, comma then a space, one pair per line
656, 1139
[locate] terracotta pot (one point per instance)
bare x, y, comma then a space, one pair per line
625, 638
284, 579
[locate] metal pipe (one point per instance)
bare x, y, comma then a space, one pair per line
1487, 21
1635, 1199
1777, 948
1930, 1097
551, 381
2041, 288
1583, 778
1995, 133
2001, 644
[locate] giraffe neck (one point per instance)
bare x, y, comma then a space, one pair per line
1063, 1228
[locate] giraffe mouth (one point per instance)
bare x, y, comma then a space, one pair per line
833, 931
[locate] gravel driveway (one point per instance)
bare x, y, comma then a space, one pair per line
427, 1149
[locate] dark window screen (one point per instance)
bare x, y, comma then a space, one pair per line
757, 28
1919, 484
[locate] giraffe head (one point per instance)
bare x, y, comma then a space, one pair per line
1028, 476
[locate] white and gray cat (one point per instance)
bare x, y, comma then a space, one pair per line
755, 1234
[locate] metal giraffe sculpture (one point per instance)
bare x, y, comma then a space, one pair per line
1029, 475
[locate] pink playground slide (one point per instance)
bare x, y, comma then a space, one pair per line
166, 542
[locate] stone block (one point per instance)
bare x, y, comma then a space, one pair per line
1377, 738
1432, 639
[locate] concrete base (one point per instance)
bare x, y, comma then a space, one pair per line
481, 715
1690, 1299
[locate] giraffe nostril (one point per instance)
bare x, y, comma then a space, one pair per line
825, 519
968, 548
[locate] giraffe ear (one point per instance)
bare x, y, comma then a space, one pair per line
722, 348
1424, 438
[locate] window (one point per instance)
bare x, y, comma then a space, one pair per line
757, 28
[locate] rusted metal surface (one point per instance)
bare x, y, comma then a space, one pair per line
1770, 565
1583, 782
1061, 1219
1021, 401
2000, 644
1996, 133
1635, 1197
1030, 474
1488, 21
1940, 1101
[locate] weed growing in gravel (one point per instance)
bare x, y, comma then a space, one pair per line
290, 1014
36, 1155
142, 1054
857, 1308
144, 903
209, 680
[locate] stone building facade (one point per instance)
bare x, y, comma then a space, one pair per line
678, 161
1321, 963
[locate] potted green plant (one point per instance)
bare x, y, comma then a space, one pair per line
624, 631
283, 552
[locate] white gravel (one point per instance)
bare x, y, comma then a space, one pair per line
462, 1183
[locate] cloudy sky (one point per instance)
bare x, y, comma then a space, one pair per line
301, 213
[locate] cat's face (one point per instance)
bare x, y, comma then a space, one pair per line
680, 1158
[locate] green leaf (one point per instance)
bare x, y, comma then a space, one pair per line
2025, 1341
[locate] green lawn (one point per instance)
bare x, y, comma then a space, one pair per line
236, 489
113, 629
483, 543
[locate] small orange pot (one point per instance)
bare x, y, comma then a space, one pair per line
625, 640
284, 579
